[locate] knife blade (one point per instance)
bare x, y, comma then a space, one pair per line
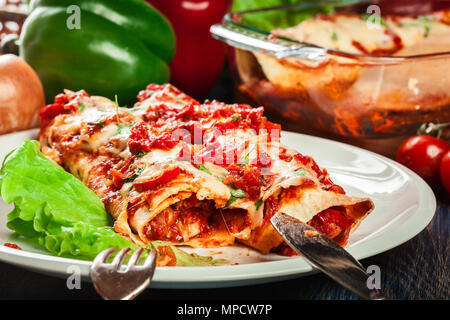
325, 255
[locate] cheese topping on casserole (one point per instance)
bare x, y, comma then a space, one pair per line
366, 34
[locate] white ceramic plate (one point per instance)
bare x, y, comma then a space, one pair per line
404, 205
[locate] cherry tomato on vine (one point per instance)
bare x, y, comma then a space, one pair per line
423, 155
445, 171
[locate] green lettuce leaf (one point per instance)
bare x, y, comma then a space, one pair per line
282, 18
53, 206
56, 209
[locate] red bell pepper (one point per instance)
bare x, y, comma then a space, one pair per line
199, 58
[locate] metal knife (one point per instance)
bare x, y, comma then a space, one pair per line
325, 255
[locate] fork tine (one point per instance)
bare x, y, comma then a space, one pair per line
113, 283
135, 257
119, 257
151, 259
102, 257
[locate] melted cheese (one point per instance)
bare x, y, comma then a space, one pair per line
342, 31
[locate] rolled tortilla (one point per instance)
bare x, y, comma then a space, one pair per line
155, 193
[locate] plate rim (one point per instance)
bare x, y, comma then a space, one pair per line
273, 270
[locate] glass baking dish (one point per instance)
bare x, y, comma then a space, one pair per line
367, 100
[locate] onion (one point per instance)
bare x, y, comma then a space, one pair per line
21, 95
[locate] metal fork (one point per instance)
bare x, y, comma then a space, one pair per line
114, 281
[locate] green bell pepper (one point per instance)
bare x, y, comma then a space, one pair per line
120, 47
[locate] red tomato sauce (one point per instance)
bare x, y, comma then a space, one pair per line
62, 105
164, 120
12, 245
333, 223
142, 140
247, 178
154, 183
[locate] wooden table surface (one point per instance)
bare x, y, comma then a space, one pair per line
417, 269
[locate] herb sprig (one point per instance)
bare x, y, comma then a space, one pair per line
134, 176
235, 195
122, 127
204, 169
258, 203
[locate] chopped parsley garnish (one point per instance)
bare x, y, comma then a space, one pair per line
117, 116
142, 153
236, 117
300, 172
131, 110
424, 20
246, 159
203, 168
134, 176
375, 19
101, 125
121, 128
235, 194
427, 31
258, 203
81, 107
334, 36
230, 202
124, 127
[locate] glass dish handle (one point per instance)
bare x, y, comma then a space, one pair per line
246, 39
